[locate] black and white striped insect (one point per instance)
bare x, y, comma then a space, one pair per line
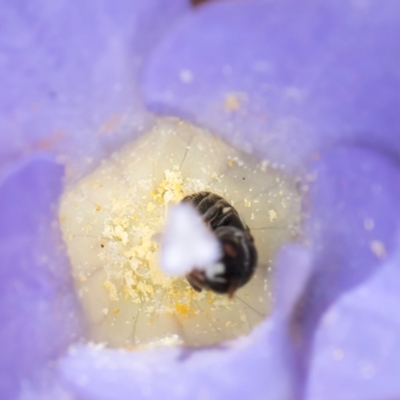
239, 258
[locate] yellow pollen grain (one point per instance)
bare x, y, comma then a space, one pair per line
184, 309
150, 207
87, 228
112, 290
273, 216
95, 185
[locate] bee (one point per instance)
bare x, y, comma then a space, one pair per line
239, 258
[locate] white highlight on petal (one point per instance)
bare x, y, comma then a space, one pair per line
188, 244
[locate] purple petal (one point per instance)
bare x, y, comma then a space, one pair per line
253, 367
357, 349
292, 269
39, 314
70, 72
287, 77
354, 217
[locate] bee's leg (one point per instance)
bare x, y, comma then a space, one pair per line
196, 279
232, 289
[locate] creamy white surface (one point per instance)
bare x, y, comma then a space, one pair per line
108, 220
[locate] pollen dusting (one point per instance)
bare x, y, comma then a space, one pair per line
112, 222
136, 268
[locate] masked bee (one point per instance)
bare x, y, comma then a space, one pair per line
239, 258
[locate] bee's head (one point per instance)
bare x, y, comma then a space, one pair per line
237, 263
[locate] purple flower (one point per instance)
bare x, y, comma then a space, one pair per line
313, 86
